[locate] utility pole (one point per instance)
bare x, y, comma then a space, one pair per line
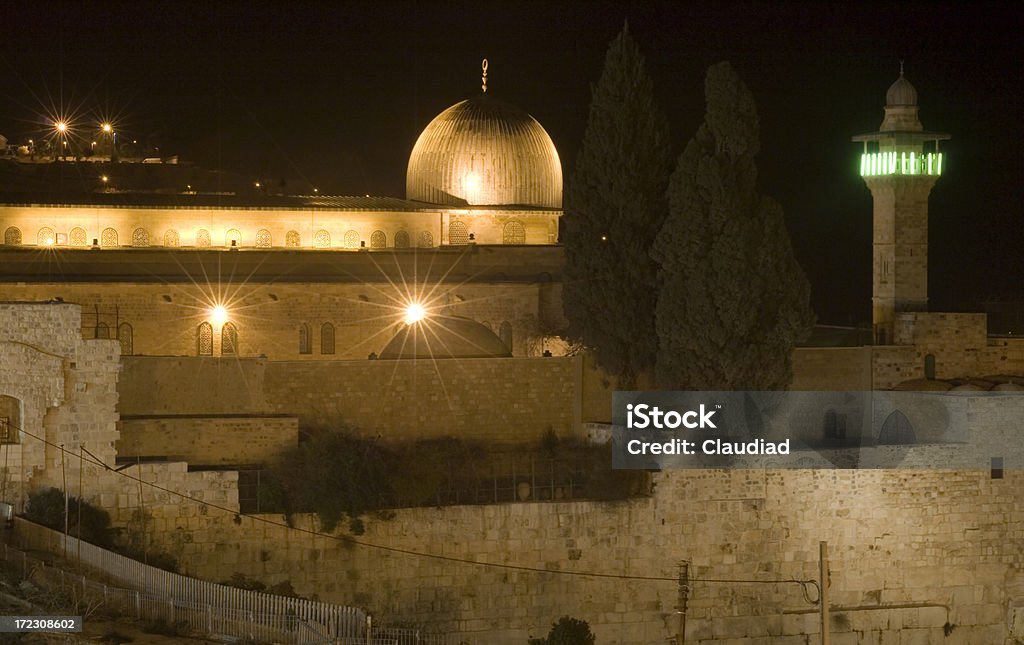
684, 594
823, 577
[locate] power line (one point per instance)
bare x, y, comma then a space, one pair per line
420, 554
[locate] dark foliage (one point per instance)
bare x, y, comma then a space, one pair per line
734, 301
567, 631
46, 507
614, 207
339, 475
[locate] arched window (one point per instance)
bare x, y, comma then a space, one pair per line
896, 430
322, 239
458, 234
351, 240
140, 237
378, 240
124, 335
171, 238
47, 237
327, 338
234, 235
505, 334
77, 237
513, 233
203, 238
263, 239
102, 331
204, 339
305, 341
426, 240
12, 236
292, 240
401, 240
108, 237
228, 340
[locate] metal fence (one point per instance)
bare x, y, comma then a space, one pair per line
144, 592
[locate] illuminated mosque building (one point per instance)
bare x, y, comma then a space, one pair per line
313, 276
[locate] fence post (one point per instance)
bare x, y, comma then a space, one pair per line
138, 605
209, 619
369, 629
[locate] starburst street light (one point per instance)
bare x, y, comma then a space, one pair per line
61, 127
107, 128
219, 315
414, 312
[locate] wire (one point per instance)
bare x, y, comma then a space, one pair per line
392, 549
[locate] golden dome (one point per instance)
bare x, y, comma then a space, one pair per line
485, 152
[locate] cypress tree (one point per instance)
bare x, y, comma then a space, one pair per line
614, 206
734, 301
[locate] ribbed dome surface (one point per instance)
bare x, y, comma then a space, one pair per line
485, 152
445, 337
901, 93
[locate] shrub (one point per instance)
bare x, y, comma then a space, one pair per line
567, 631
46, 507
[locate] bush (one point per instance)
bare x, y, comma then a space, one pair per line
338, 475
46, 507
567, 631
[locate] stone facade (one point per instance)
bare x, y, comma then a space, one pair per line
395, 400
66, 391
271, 319
914, 554
900, 265
120, 222
208, 441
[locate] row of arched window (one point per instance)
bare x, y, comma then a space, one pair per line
125, 335
458, 234
228, 339
326, 339
264, 239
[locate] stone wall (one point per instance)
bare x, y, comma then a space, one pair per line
497, 399
165, 319
491, 400
191, 386
831, 368
913, 554
181, 225
208, 441
67, 391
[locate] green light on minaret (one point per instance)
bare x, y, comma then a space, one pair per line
874, 164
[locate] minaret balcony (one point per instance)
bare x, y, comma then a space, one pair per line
873, 164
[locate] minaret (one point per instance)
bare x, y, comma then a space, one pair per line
900, 164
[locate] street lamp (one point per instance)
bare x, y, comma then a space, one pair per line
414, 312
219, 315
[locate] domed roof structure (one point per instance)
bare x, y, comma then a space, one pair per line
445, 337
485, 152
901, 93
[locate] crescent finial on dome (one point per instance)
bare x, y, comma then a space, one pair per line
483, 66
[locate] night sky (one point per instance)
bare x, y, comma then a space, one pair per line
337, 93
